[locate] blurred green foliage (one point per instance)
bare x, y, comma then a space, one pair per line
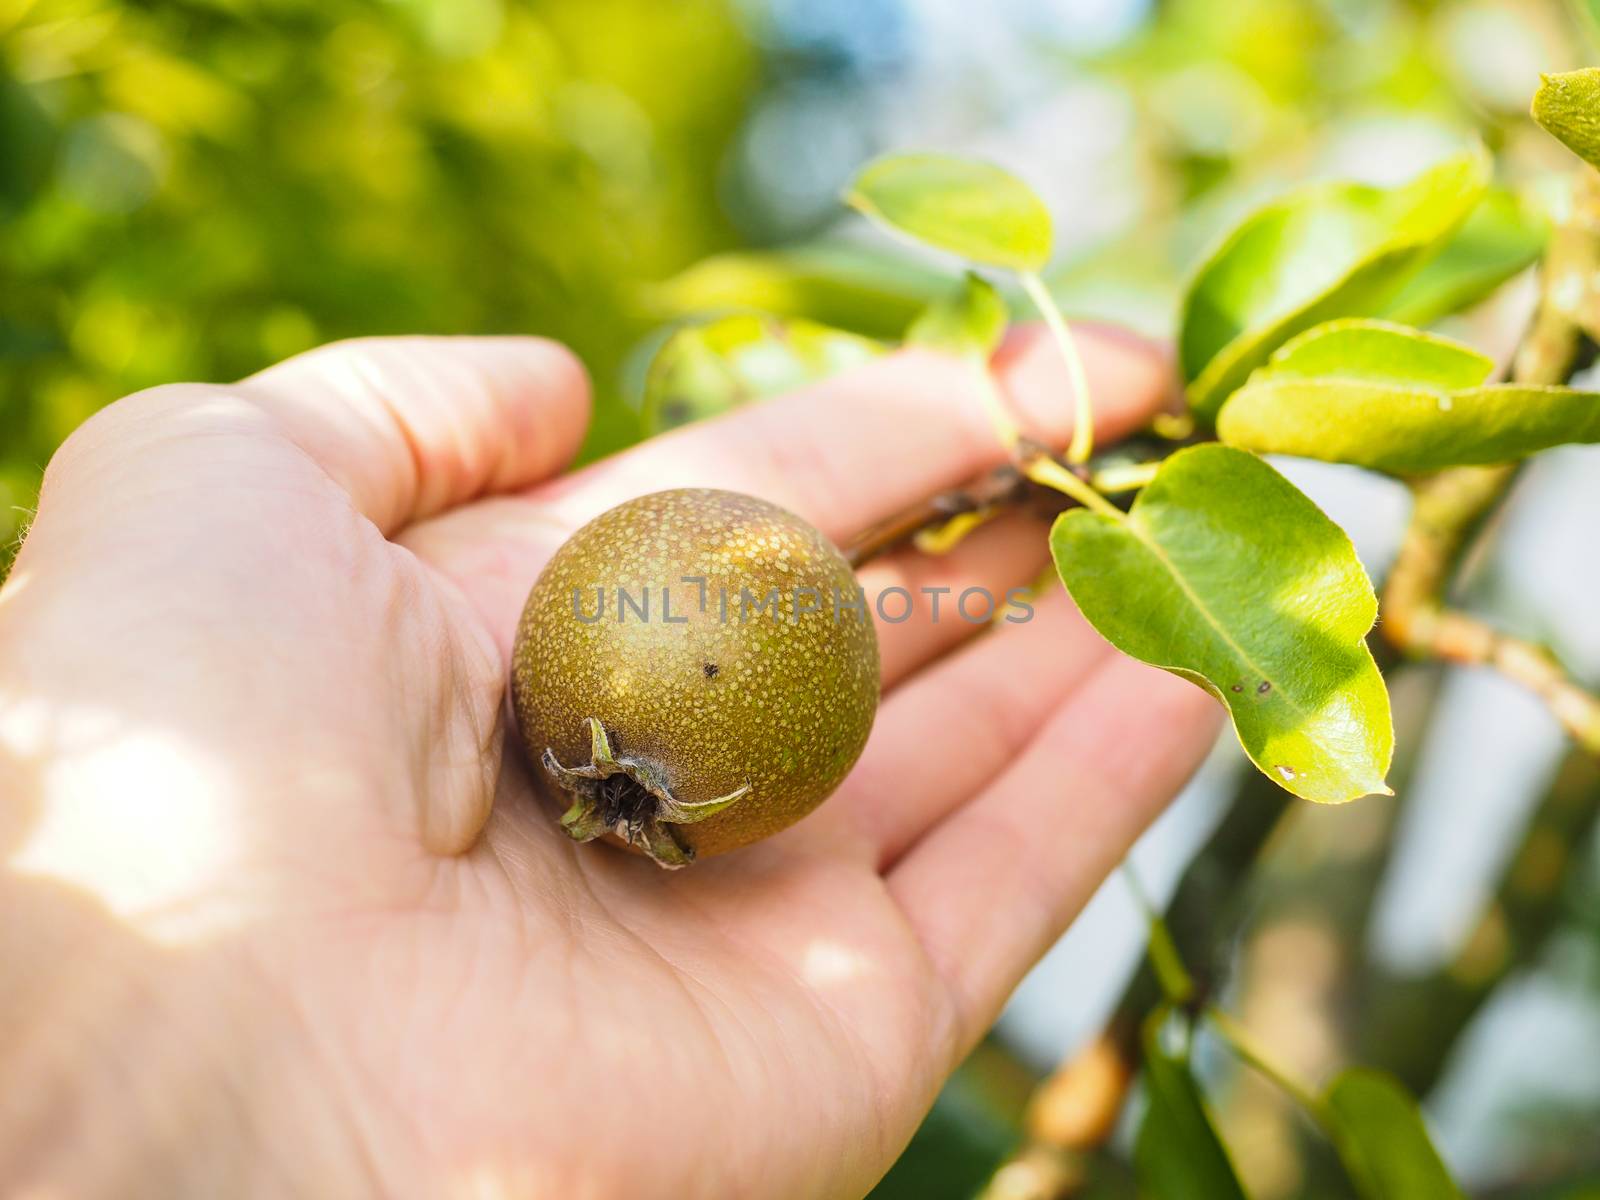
192, 189
707, 368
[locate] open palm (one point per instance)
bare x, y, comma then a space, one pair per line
267, 629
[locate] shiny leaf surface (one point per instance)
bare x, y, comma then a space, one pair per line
979, 211
1225, 574
1327, 251
1396, 400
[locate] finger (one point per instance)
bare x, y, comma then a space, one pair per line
864, 445
995, 694
993, 886
843, 454
412, 426
923, 605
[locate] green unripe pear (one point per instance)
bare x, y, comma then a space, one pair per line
694, 670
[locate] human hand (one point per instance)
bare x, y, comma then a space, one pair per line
283, 917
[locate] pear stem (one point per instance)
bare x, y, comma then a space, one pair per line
1043, 469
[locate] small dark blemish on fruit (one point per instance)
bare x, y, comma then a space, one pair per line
711, 670
1238, 687
1265, 687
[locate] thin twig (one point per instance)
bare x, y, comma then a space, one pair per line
1449, 507
1045, 470
1459, 638
1569, 301
1006, 488
1001, 488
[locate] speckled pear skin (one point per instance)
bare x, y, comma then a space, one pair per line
722, 696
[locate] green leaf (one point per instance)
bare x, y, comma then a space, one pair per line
847, 287
1225, 574
1370, 351
1382, 1140
1396, 400
1326, 251
1568, 106
1504, 235
1178, 1154
1403, 431
974, 209
702, 370
969, 322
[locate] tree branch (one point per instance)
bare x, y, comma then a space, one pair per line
1569, 302
1006, 488
1449, 508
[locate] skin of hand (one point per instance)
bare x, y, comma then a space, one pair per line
284, 912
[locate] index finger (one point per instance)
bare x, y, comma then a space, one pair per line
864, 445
